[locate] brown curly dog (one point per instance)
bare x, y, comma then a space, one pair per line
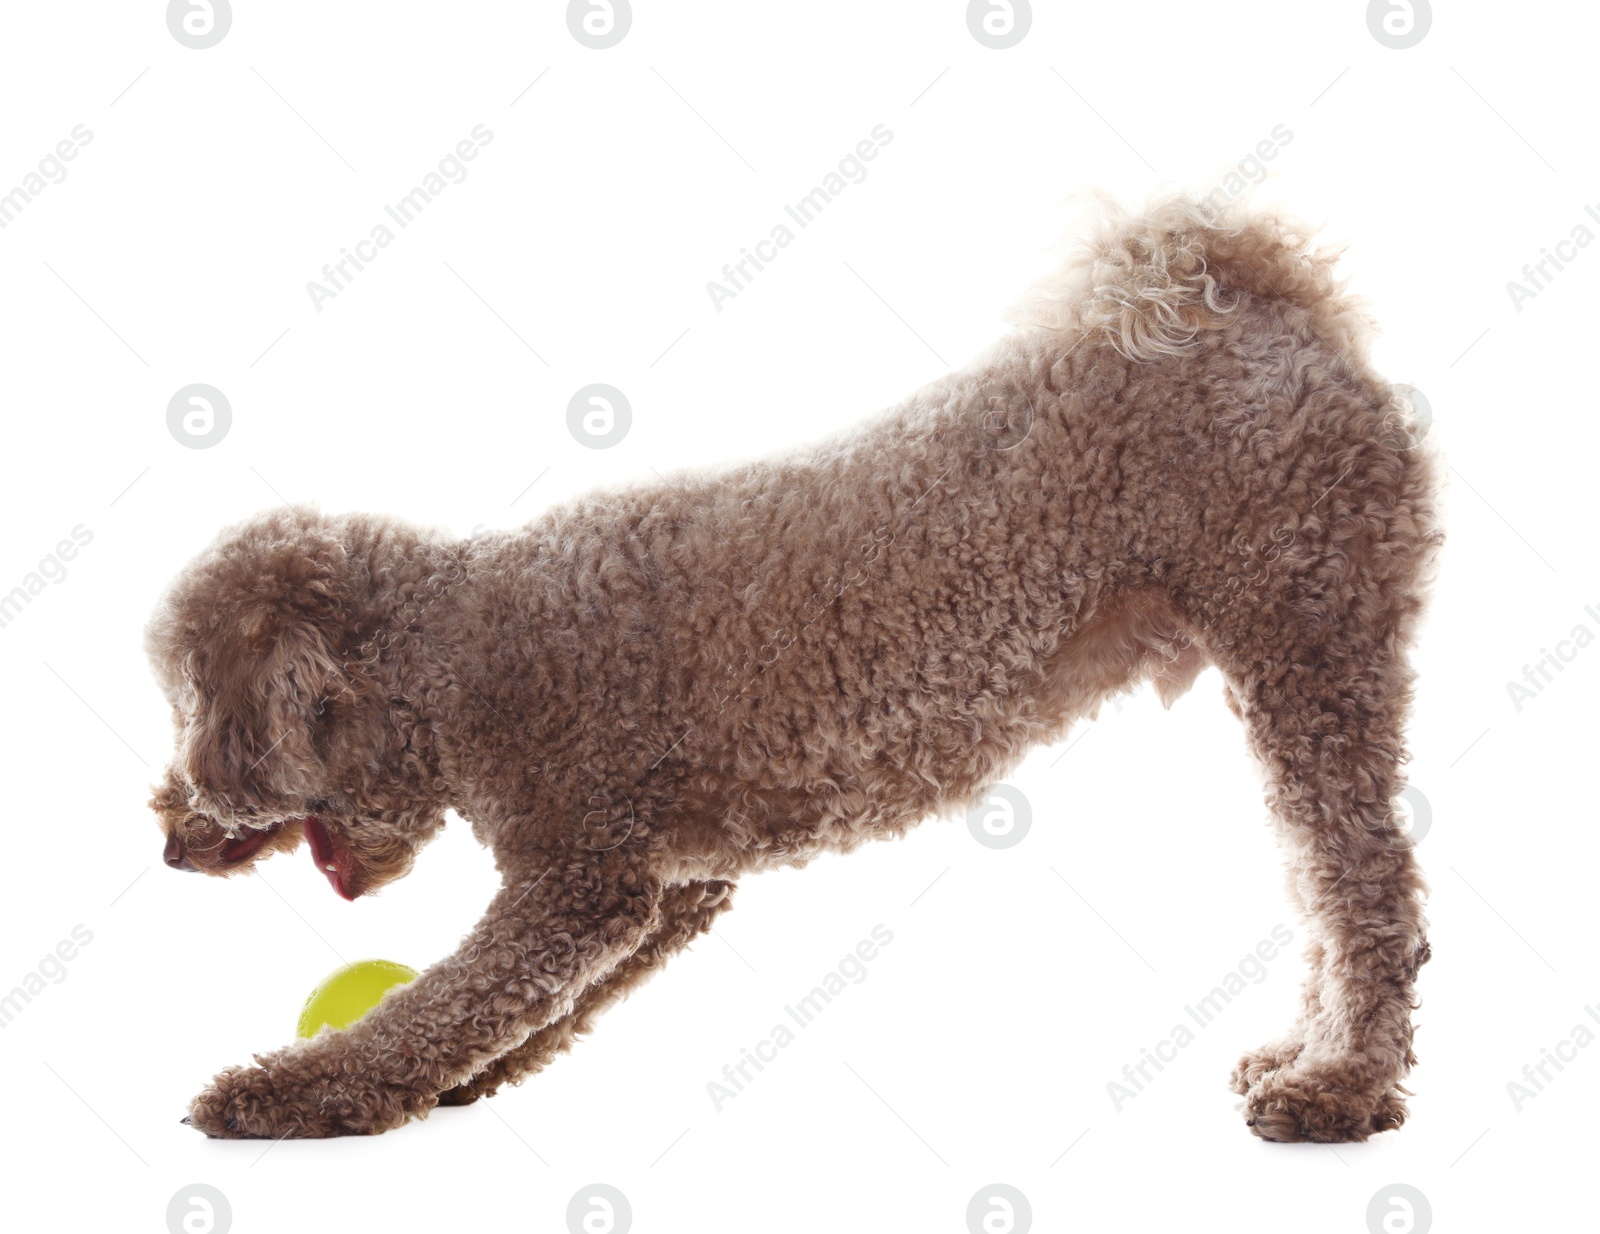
1177, 457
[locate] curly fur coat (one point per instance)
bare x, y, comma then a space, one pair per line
1178, 457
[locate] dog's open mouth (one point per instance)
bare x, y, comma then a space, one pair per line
242, 847
331, 857
334, 862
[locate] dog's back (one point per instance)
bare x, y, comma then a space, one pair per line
1180, 439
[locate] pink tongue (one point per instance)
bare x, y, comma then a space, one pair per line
240, 847
334, 864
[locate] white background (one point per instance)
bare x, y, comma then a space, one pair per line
979, 1047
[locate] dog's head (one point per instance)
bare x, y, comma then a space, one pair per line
264, 647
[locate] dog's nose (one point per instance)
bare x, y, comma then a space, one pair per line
175, 857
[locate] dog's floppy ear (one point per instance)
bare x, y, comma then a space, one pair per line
255, 643
251, 749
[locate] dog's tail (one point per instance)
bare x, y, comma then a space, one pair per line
1152, 283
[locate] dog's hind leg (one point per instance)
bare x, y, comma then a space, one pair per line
686, 912
1324, 709
1255, 1064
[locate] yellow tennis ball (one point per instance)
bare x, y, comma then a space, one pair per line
349, 993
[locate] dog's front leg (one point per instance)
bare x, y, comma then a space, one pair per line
687, 911
553, 930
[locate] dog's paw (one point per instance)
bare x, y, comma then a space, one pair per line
1306, 1103
239, 1104
1250, 1069
267, 1102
